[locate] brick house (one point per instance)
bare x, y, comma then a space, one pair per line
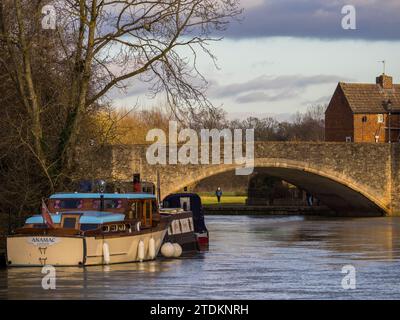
361, 112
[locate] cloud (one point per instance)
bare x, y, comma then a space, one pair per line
267, 88
131, 89
320, 101
261, 96
376, 20
247, 4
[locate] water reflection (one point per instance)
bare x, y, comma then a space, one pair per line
248, 258
367, 238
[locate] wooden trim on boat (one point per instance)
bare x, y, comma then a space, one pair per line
179, 215
161, 226
98, 233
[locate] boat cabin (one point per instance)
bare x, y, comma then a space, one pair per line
109, 212
188, 202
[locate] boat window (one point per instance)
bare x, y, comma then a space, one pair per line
154, 206
148, 210
147, 214
108, 204
40, 226
135, 211
69, 223
88, 226
166, 204
68, 204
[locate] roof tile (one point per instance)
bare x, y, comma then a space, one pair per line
369, 98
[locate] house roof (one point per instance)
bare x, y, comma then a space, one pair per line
370, 98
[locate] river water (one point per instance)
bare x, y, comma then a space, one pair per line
249, 258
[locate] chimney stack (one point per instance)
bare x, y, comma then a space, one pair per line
386, 82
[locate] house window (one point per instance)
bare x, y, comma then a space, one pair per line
364, 119
348, 139
380, 118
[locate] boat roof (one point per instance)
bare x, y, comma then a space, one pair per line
87, 217
182, 195
77, 195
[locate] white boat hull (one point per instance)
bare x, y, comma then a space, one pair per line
27, 250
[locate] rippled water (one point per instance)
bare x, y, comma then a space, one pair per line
249, 258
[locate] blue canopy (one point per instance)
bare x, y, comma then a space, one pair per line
87, 217
72, 195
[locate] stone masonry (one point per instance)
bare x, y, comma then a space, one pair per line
352, 178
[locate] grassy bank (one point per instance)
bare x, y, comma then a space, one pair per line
210, 200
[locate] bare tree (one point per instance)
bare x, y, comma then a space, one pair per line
55, 82
99, 46
121, 40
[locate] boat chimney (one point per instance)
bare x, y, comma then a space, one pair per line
102, 203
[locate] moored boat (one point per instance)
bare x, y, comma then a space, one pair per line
188, 227
181, 229
82, 229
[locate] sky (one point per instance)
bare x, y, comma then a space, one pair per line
286, 55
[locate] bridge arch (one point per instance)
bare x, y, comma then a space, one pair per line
336, 190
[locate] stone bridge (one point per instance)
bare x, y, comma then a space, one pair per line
350, 178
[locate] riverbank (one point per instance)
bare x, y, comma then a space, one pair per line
226, 199
239, 209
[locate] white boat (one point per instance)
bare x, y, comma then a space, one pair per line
83, 229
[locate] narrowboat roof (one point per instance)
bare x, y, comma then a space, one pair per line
87, 217
182, 195
77, 195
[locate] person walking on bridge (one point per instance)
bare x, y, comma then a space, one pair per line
218, 193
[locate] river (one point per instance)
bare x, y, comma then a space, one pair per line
249, 258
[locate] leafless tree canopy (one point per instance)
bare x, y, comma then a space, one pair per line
156, 41
54, 83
